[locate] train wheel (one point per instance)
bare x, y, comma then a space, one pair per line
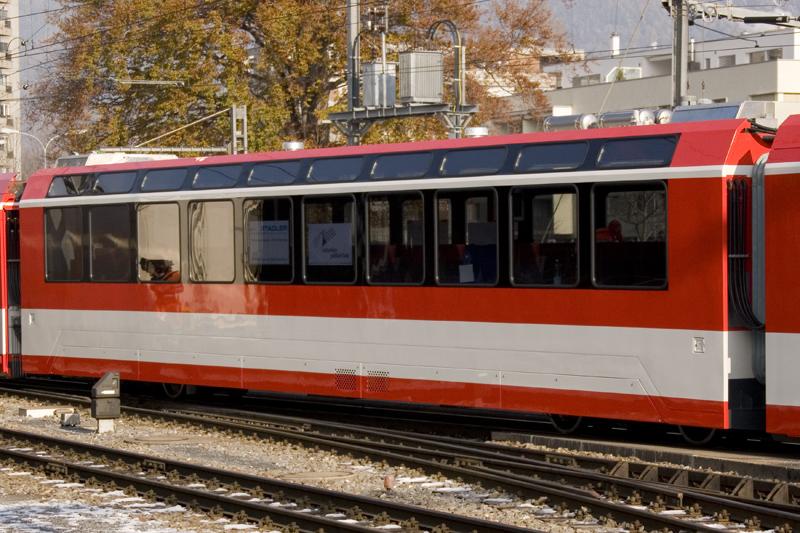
697, 436
566, 424
173, 391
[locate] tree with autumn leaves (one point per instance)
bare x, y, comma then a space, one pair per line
284, 59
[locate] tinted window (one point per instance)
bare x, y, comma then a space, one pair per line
211, 229
168, 179
68, 185
216, 177
277, 173
400, 166
544, 236
473, 162
330, 239
395, 244
630, 224
64, 243
335, 169
624, 153
549, 157
158, 229
112, 243
114, 183
466, 251
268, 249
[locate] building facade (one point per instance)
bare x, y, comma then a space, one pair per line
11, 46
762, 66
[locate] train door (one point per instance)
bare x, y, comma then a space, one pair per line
9, 292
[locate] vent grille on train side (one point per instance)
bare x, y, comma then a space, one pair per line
346, 379
377, 381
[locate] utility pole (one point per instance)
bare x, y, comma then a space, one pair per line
353, 53
680, 60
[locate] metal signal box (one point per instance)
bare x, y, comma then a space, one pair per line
373, 77
105, 397
421, 77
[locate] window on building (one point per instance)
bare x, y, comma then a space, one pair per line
114, 182
473, 162
727, 61
634, 153
211, 254
775, 53
544, 236
467, 236
551, 157
68, 185
168, 179
630, 244
216, 177
64, 243
330, 239
335, 169
274, 173
758, 57
268, 249
159, 242
395, 228
112, 243
402, 166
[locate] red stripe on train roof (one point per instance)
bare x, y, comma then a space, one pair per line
683, 411
702, 143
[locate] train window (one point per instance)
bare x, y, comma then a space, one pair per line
216, 177
473, 162
167, 179
629, 153
335, 169
114, 182
395, 226
211, 256
112, 243
330, 239
269, 237
630, 226
158, 230
466, 237
401, 166
68, 185
274, 173
544, 226
64, 243
551, 157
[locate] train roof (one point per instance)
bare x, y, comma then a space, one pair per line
698, 144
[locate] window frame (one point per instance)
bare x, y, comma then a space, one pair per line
363, 160
367, 275
249, 173
180, 245
189, 204
551, 187
599, 165
92, 190
143, 180
438, 282
524, 147
356, 238
592, 214
441, 170
84, 259
246, 245
88, 185
377, 157
134, 240
193, 182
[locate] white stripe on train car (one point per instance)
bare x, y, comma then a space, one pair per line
544, 178
659, 362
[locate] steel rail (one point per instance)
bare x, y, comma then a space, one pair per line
209, 501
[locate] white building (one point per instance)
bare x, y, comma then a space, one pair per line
762, 66
10, 47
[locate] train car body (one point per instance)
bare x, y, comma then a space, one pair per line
571, 273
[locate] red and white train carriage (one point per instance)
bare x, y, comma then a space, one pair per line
601, 273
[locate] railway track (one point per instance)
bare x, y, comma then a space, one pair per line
626, 493
265, 501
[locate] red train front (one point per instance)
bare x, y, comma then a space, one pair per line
603, 273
